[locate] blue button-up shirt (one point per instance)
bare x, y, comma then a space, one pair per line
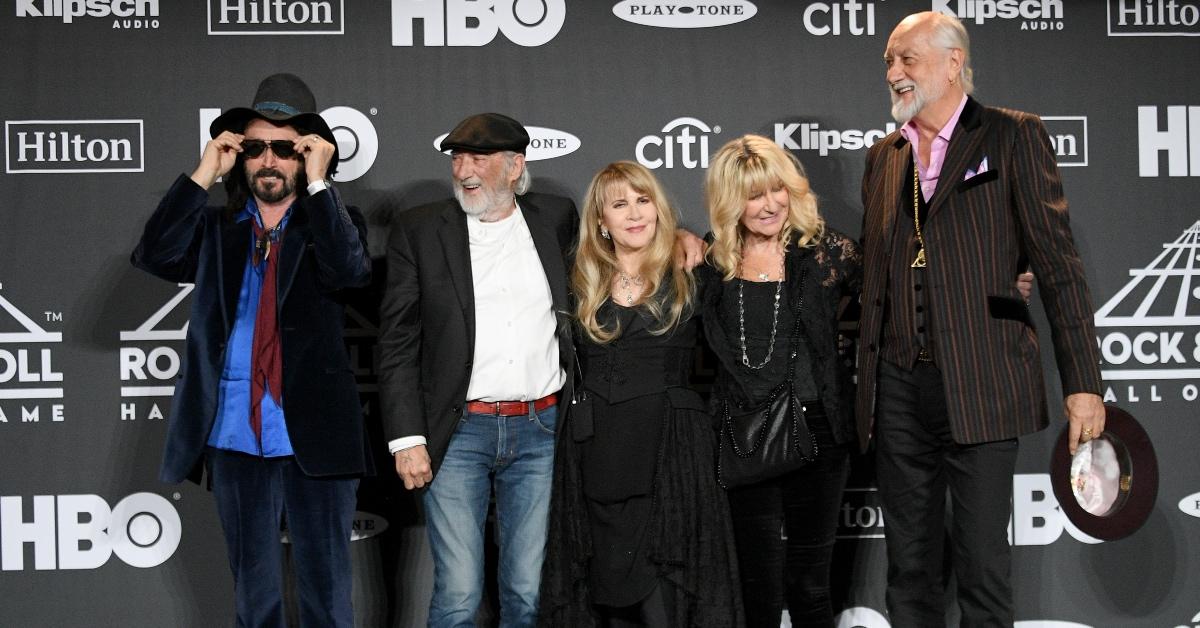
232, 427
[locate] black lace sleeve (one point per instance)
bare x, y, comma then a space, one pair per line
840, 259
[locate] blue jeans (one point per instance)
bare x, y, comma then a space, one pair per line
516, 455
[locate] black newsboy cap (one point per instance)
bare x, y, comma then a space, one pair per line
487, 133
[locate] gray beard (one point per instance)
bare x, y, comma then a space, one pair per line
492, 201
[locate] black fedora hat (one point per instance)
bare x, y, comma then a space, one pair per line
1107, 489
283, 99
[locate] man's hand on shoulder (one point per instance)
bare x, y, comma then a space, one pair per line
413, 467
689, 249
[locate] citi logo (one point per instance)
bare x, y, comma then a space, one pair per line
823, 18
544, 143
69, 10
1069, 137
1179, 138
1153, 18
276, 17
82, 532
684, 14
682, 138
810, 136
1190, 505
150, 360
1037, 14
357, 139
477, 22
59, 146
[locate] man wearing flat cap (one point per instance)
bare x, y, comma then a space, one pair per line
475, 357
267, 402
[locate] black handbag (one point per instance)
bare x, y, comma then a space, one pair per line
769, 439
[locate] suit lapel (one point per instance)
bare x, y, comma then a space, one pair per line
295, 239
964, 146
457, 249
550, 252
235, 246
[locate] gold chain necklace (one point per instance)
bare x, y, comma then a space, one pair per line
919, 262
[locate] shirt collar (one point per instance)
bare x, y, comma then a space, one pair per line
250, 210
909, 130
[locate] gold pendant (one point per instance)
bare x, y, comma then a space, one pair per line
920, 261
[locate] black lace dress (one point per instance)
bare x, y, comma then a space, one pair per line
636, 503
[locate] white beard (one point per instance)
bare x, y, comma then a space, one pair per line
922, 95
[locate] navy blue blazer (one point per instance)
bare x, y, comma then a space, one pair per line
324, 251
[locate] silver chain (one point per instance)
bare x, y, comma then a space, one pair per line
774, 319
638, 281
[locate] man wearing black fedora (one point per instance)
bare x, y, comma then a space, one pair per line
475, 357
266, 401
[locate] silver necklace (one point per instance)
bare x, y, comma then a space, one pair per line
774, 319
627, 284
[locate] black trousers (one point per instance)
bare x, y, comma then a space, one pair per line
804, 506
917, 460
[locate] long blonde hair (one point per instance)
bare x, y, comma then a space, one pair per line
746, 166
596, 259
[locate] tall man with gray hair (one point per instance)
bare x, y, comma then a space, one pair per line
474, 365
956, 203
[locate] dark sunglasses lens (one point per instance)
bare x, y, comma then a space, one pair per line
283, 149
254, 148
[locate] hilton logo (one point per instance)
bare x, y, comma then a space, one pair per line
59, 146
1068, 135
276, 17
1153, 18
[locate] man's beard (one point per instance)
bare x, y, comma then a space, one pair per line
921, 97
491, 199
286, 188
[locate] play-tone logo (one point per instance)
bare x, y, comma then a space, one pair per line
27, 374
1150, 329
850, 17
544, 143
276, 17
685, 14
1068, 135
477, 22
1190, 505
684, 141
1035, 15
1153, 18
126, 14
1178, 137
357, 140
82, 532
61, 146
810, 136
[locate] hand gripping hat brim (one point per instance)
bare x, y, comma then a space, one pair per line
283, 99
1108, 488
487, 133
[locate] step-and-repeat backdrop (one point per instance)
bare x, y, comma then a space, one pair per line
104, 102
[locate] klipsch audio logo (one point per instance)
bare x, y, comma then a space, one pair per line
125, 14
684, 13
810, 136
1150, 329
544, 143
357, 140
850, 17
82, 532
477, 22
276, 17
28, 381
1068, 135
1153, 18
1180, 140
150, 359
684, 141
57, 146
1035, 15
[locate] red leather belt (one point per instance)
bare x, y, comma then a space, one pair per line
511, 408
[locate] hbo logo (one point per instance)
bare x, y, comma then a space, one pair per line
82, 532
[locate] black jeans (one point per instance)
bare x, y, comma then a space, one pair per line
794, 569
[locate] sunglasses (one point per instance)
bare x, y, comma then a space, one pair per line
283, 149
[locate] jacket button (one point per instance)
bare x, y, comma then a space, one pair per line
455, 409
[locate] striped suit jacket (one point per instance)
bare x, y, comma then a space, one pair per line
978, 233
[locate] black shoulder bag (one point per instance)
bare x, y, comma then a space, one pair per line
769, 439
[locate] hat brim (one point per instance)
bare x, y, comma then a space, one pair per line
1118, 515
237, 118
